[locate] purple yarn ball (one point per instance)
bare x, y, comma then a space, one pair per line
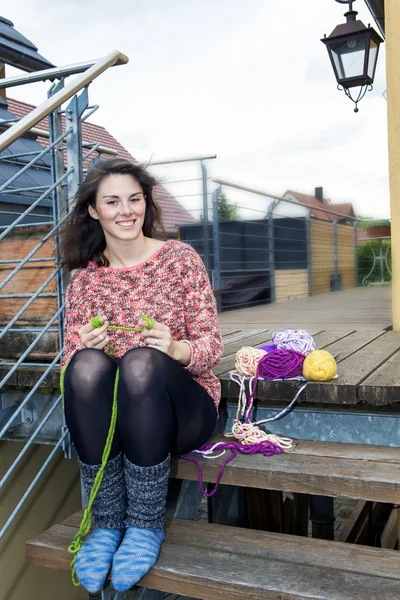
268, 347
281, 364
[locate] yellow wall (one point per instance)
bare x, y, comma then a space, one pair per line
56, 496
392, 25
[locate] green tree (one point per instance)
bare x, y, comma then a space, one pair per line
226, 211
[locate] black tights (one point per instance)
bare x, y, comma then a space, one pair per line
161, 409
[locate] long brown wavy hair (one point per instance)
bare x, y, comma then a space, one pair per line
82, 238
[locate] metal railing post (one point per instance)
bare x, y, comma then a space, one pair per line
356, 253
308, 241
205, 215
73, 115
59, 200
335, 256
216, 279
271, 252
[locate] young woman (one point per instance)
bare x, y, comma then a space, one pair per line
167, 394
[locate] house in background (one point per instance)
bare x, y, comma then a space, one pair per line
319, 202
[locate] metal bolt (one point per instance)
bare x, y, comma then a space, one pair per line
28, 407
28, 420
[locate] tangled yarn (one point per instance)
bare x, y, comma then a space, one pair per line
294, 339
319, 366
280, 364
247, 359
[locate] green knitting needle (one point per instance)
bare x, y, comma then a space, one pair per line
96, 322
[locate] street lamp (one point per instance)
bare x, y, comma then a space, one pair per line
353, 50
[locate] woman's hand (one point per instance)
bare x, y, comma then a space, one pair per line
94, 337
160, 337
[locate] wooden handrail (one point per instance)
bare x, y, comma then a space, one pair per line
47, 107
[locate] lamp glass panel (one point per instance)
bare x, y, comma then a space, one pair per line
373, 55
349, 57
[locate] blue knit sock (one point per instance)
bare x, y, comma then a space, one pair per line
135, 556
94, 559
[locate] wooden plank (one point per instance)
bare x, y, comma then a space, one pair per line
328, 337
353, 369
225, 563
389, 535
344, 348
358, 479
249, 339
383, 385
263, 509
180, 531
353, 525
228, 330
353, 451
241, 334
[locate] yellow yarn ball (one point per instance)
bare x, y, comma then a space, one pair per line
319, 365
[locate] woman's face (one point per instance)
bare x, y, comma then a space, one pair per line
120, 207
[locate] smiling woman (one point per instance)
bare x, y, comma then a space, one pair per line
109, 194
120, 208
158, 381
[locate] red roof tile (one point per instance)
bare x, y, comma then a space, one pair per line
173, 212
345, 209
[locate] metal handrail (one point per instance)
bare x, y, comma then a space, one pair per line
54, 72
45, 134
237, 186
52, 103
35, 204
34, 160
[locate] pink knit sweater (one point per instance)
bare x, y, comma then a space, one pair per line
171, 286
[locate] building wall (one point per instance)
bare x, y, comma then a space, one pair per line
322, 255
346, 255
392, 28
291, 284
16, 246
56, 496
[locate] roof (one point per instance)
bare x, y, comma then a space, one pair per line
18, 51
173, 212
345, 209
377, 8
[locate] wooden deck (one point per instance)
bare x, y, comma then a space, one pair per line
352, 325
368, 307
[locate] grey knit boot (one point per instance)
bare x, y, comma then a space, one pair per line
146, 501
94, 559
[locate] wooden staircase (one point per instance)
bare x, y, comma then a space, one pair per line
217, 562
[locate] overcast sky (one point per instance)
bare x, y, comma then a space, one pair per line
248, 80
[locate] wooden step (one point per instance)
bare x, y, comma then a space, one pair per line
215, 562
322, 468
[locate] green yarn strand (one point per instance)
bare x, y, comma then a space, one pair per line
96, 322
86, 522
